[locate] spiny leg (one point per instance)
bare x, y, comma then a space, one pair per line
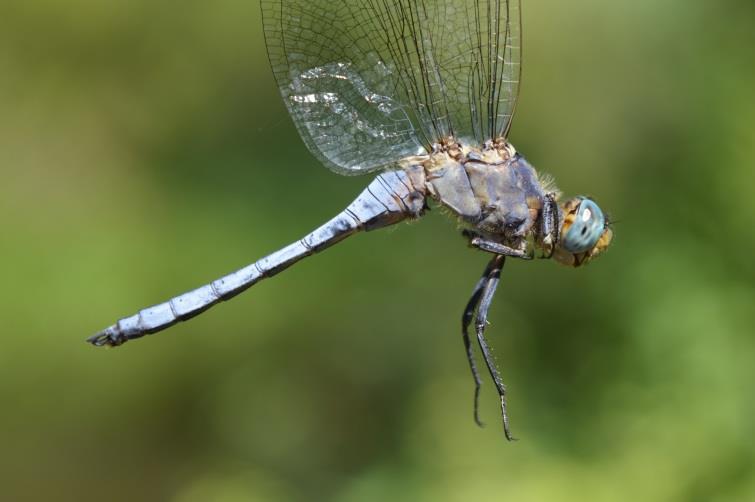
477, 241
466, 320
480, 324
498, 248
549, 226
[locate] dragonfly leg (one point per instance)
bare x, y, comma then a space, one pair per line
466, 320
480, 324
549, 226
496, 248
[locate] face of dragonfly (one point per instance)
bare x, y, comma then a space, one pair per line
585, 232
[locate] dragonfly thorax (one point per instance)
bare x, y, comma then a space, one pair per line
497, 194
491, 152
491, 188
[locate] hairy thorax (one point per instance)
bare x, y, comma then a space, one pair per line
491, 188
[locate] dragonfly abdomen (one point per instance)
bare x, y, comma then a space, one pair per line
391, 197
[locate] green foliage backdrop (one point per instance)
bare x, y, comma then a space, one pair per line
144, 151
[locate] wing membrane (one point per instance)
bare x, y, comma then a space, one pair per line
368, 82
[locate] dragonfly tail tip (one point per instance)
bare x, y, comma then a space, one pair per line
108, 337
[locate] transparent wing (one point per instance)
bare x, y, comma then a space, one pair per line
369, 82
481, 65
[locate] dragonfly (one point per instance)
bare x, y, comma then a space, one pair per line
422, 93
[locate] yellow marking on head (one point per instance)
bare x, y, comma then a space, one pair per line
568, 220
578, 259
569, 210
603, 243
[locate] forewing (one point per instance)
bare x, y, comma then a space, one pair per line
481, 65
369, 82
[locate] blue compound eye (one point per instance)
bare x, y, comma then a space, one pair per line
587, 227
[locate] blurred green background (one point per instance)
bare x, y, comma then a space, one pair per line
144, 151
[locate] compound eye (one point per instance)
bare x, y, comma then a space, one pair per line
587, 227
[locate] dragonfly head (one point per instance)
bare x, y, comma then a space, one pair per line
585, 232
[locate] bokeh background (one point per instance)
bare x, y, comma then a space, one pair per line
144, 151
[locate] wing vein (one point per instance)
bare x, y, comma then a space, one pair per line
370, 82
